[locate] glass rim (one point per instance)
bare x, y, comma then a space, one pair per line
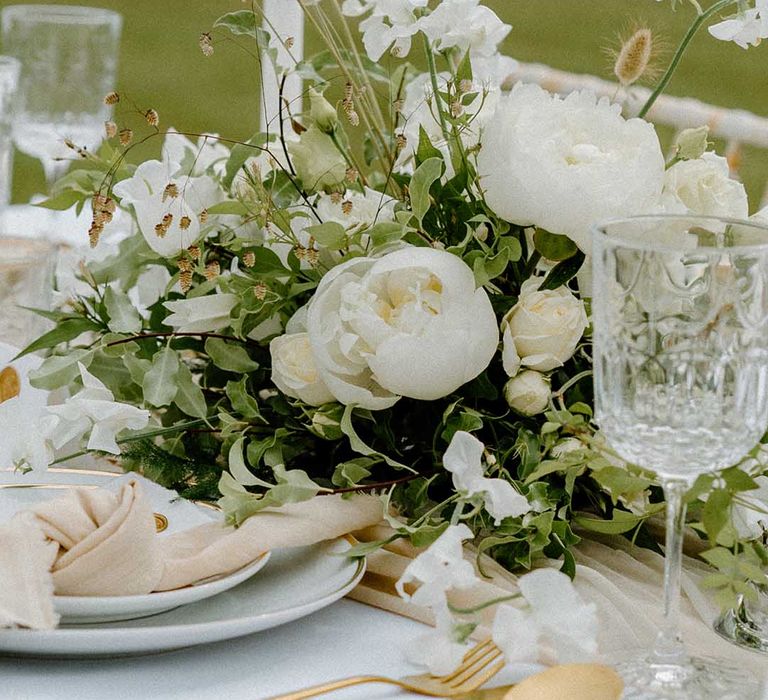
65, 14
601, 235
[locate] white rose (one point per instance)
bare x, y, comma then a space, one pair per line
410, 323
294, 371
528, 392
200, 314
565, 163
545, 327
704, 187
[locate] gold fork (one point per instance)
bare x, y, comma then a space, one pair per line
475, 669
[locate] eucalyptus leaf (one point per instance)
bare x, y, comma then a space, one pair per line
189, 396
123, 316
59, 370
159, 383
228, 356
423, 178
553, 246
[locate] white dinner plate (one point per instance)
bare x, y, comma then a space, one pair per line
297, 582
19, 491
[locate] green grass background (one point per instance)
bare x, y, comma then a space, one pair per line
161, 65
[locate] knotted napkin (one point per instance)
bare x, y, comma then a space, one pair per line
95, 542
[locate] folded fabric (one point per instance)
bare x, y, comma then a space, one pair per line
95, 542
624, 581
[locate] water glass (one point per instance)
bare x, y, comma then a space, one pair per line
680, 319
9, 81
68, 60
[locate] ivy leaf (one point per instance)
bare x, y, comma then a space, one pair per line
63, 200
123, 317
241, 400
425, 149
137, 367
229, 357
423, 178
359, 446
293, 485
239, 469
386, 232
189, 396
230, 207
352, 472
159, 383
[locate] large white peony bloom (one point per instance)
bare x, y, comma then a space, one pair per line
410, 323
565, 163
704, 186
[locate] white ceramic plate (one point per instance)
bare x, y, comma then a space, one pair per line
297, 582
18, 491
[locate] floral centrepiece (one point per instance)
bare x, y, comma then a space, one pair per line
384, 292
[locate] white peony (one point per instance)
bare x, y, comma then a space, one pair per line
528, 392
564, 163
545, 327
294, 371
410, 323
200, 314
704, 187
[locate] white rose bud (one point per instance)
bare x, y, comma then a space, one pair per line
317, 161
294, 371
692, 143
545, 326
528, 392
322, 112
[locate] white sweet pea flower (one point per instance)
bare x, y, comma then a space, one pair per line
704, 187
466, 25
439, 568
556, 616
23, 417
94, 409
150, 286
146, 192
564, 163
355, 209
392, 23
196, 158
200, 314
409, 323
747, 28
418, 110
294, 371
440, 650
545, 327
464, 459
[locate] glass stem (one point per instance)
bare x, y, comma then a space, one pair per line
669, 643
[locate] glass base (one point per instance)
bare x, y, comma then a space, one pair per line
744, 630
648, 678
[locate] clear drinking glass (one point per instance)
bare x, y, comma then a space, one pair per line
680, 319
69, 63
9, 82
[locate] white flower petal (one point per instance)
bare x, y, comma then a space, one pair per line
516, 633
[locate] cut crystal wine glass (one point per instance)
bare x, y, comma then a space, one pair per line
68, 60
680, 319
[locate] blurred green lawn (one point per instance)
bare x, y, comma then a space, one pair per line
161, 65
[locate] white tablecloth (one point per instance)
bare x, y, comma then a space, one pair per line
346, 639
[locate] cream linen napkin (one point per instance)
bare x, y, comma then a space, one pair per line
96, 542
624, 582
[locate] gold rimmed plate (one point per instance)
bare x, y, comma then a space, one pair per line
19, 491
